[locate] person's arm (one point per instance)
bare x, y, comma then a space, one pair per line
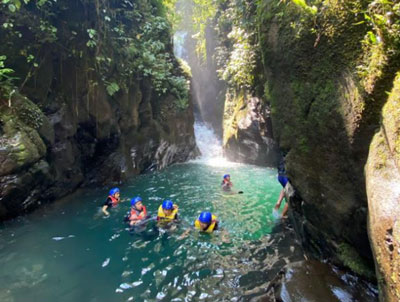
184, 235
133, 219
104, 209
133, 222
106, 205
225, 236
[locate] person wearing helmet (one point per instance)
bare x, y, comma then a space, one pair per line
112, 200
206, 222
226, 184
138, 211
167, 212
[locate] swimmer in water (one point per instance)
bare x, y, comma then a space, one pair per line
138, 211
167, 212
226, 184
206, 223
112, 200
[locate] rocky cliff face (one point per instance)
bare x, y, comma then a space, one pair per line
84, 115
327, 70
383, 189
247, 126
248, 132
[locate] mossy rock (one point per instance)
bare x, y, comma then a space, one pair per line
351, 259
20, 142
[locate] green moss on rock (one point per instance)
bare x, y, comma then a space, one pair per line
349, 256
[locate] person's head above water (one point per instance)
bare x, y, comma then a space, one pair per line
114, 192
205, 219
168, 206
227, 177
137, 202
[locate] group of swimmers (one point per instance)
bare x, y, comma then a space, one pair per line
167, 211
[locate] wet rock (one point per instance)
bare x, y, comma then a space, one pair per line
312, 281
325, 120
248, 132
64, 151
20, 144
383, 179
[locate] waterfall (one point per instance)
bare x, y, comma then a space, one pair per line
210, 146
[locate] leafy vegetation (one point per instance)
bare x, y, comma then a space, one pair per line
124, 41
237, 52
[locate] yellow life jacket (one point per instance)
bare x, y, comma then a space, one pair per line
211, 227
161, 215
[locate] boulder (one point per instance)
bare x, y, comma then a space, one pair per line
248, 132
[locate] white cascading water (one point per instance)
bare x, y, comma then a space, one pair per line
210, 146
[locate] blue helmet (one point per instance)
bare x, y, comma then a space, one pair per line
167, 204
226, 176
113, 191
135, 200
205, 217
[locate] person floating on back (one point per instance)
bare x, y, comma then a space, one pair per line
112, 200
226, 184
138, 211
167, 212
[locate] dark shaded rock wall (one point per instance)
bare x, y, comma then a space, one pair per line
64, 129
327, 84
316, 107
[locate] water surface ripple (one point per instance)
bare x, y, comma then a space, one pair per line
68, 251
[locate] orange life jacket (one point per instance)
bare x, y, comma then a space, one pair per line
113, 200
135, 214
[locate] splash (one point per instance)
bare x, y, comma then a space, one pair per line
210, 147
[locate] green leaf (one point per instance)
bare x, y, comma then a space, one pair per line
112, 88
359, 23
6, 70
372, 37
12, 8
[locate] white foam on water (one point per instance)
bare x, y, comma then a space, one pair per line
106, 262
210, 147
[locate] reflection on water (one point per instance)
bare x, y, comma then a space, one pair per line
71, 252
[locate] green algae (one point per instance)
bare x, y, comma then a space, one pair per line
349, 256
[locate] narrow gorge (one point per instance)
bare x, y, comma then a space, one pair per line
97, 94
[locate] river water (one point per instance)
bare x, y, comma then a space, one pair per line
68, 251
